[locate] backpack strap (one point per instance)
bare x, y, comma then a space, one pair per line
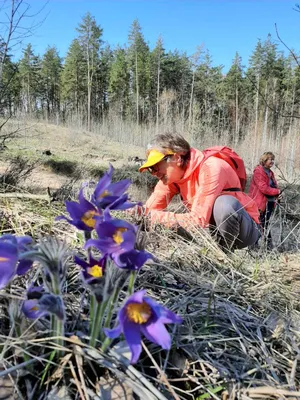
232, 190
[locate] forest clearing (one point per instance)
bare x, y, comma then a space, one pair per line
96, 303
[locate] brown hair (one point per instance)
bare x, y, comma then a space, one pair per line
171, 141
264, 157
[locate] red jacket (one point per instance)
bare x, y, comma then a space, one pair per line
260, 187
199, 188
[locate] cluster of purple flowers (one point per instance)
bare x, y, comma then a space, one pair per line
115, 239
16, 258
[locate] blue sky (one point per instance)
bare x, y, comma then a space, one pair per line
222, 26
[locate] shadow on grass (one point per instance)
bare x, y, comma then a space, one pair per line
127, 172
63, 167
73, 169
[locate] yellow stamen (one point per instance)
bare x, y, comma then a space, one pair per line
138, 312
34, 308
117, 236
105, 193
4, 259
88, 218
95, 271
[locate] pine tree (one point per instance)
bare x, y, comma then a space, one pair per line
51, 76
139, 66
119, 82
29, 69
74, 79
90, 40
156, 65
233, 84
208, 80
269, 82
177, 76
100, 95
194, 62
10, 88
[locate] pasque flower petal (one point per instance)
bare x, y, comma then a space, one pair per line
132, 259
132, 335
8, 262
32, 310
140, 314
156, 332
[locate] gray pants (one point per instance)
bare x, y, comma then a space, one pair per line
234, 226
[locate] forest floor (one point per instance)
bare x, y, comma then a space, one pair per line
241, 333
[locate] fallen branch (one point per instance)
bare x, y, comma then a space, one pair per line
268, 391
25, 196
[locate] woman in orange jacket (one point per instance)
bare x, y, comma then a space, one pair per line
264, 191
210, 188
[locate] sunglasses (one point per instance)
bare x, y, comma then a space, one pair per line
155, 168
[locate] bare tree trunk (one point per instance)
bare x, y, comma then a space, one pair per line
290, 161
236, 114
218, 126
157, 93
254, 155
273, 133
191, 101
265, 128
137, 88
89, 88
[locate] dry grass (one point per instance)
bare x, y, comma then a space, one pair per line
240, 337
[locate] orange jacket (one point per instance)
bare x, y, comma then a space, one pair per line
199, 188
260, 187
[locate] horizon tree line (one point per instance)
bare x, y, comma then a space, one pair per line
132, 83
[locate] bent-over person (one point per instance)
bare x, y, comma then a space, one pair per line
210, 189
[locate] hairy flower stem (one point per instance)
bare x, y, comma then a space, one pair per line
131, 282
92, 312
57, 324
111, 305
19, 334
96, 324
106, 344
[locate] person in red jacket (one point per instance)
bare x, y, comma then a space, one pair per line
265, 192
210, 189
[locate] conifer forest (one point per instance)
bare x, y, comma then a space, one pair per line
95, 84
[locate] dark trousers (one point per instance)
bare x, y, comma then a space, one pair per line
265, 220
235, 228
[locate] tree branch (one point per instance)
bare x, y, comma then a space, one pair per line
268, 105
290, 50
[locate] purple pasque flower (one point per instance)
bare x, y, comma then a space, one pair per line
83, 215
30, 306
132, 260
11, 249
111, 195
32, 310
93, 274
115, 236
92, 270
40, 303
142, 315
121, 203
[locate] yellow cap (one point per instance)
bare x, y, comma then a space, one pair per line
153, 158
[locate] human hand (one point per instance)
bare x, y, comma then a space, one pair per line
280, 197
137, 211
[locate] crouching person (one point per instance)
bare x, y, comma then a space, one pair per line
209, 186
